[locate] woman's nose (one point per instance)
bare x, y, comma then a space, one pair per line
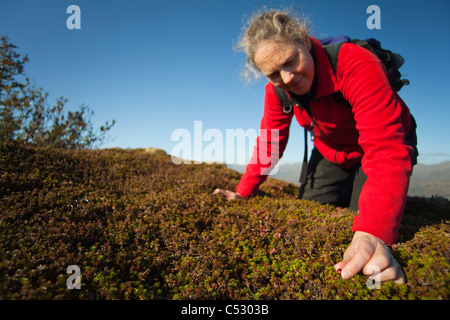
286, 76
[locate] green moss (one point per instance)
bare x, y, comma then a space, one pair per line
140, 227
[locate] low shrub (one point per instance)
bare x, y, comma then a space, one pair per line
140, 227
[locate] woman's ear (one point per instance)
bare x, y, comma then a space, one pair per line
308, 43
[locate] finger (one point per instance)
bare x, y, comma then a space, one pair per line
229, 194
376, 263
380, 261
401, 278
348, 255
340, 265
364, 251
239, 196
393, 273
221, 192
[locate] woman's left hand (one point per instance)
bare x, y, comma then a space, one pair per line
369, 254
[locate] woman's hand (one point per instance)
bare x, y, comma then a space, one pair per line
369, 254
229, 195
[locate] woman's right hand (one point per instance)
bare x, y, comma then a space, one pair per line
229, 195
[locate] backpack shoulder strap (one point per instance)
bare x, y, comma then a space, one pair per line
287, 108
332, 51
290, 100
284, 99
391, 61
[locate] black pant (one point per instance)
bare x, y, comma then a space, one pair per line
328, 183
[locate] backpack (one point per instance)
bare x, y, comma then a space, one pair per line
391, 61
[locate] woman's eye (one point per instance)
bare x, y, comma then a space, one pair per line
274, 77
291, 61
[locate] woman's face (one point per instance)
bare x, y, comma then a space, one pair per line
288, 66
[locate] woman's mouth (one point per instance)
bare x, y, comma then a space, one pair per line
297, 86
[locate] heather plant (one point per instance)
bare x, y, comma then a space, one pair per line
140, 227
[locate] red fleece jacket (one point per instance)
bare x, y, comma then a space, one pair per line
372, 133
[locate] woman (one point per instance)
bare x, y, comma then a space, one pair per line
361, 156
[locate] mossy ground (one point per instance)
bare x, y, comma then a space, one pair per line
140, 227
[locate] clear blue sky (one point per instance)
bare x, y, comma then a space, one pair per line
157, 65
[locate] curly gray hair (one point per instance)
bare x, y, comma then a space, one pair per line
274, 25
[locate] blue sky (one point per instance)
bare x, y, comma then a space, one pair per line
158, 66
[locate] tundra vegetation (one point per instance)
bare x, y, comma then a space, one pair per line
140, 227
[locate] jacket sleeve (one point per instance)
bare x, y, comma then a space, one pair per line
270, 144
382, 119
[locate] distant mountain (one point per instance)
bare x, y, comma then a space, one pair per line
430, 180
426, 181
289, 172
